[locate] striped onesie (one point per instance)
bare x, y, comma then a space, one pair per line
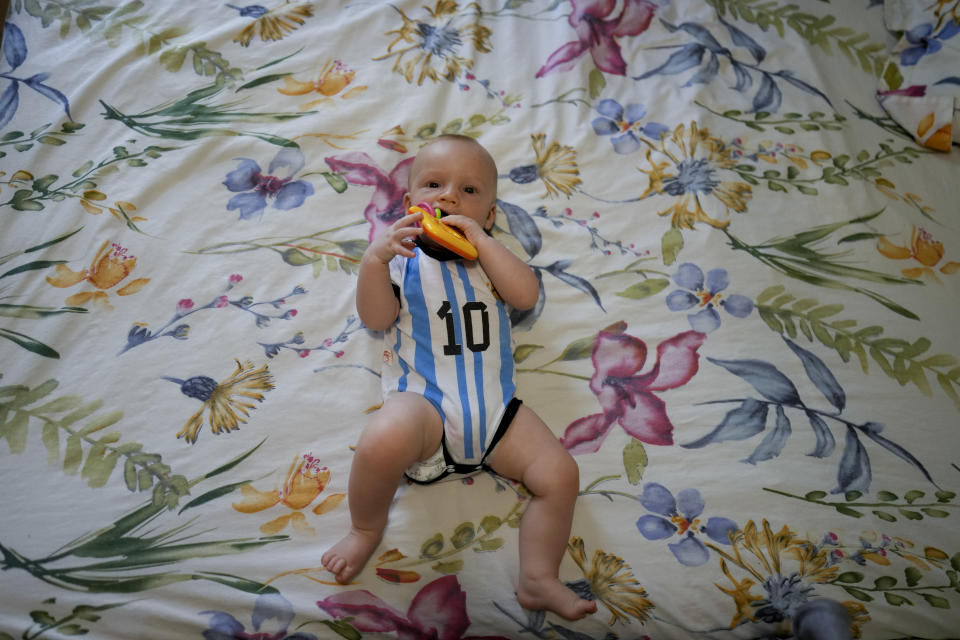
451, 343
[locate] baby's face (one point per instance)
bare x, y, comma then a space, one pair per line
458, 178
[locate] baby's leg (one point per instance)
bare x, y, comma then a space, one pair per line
529, 452
406, 429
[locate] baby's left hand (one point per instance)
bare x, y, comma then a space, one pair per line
472, 231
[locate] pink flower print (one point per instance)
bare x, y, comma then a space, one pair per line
184, 305
439, 610
596, 33
626, 396
386, 205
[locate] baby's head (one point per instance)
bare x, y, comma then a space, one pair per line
457, 175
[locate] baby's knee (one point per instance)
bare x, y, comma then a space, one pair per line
567, 473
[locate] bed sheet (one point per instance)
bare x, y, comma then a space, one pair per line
920, 85
746, 331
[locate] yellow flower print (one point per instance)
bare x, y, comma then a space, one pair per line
610, 581
428, 48
556, 166
334, 78
923, 248
220, 398
304, 482
110, 267
783, 565
272, 23
693, 159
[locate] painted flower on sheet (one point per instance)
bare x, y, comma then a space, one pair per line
690, 172
705, 293
597, 29
256, 189
556, 166
429, 48
787, 569
334, 77
274, 23
623, 123
923, 248
386, 204
610, 581
680, 516
271, 618
438, 610
224, 400
304, 482
110, 266
626, 396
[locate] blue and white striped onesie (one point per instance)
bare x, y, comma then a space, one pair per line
451, 343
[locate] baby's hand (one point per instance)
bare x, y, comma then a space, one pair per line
397, 239
472, 231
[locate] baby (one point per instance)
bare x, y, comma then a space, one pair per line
448, 376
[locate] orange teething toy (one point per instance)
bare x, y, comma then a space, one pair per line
444, 235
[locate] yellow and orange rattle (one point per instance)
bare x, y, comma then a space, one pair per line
444, 235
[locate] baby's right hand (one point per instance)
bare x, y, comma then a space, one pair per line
397, 239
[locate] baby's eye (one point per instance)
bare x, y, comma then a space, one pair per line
470, 189
433, 184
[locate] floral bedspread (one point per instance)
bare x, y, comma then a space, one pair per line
920, 85
746, 332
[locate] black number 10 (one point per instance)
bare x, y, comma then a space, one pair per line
469, 327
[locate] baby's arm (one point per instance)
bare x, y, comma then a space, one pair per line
513, 279
377, 304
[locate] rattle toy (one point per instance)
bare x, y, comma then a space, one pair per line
444, 235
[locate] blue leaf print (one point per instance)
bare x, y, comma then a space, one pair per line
765, 378
741, 39
744, 81
14, 45
557, 269
678, 62
854, 471
523, 228
707, 74
741, 423
800, 84
820, 375
825, 440
36, 83
773, 443
702, 34
9, 101
872, 430
769, 96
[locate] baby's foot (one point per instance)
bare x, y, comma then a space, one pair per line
552, 595
346, 558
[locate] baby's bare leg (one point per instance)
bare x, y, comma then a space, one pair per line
407, 428
529, 452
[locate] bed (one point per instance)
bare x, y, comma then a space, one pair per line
743, 215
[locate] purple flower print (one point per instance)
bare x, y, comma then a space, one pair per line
438, 610
386, 204
623, 123
627, 396
705, 293
597, 32
257, 188
679, 516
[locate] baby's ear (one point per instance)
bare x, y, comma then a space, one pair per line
488, 223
